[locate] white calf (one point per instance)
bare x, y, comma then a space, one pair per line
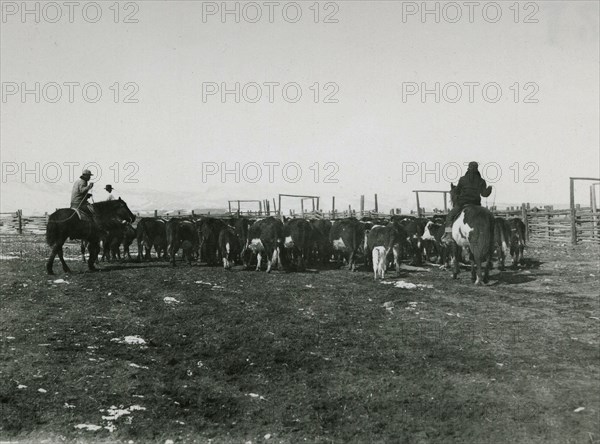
379, 262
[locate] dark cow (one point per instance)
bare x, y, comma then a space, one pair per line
517, 240
178, 232
347, 237
501, 240
229, 247
297, 235
414, 227
208, 234
151, 232
321, 247
129, 235
114, 238
241, 226
265, 237
391, 237
111, 240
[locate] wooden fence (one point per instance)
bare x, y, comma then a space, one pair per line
576, 226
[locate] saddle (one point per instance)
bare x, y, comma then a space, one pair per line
85, 215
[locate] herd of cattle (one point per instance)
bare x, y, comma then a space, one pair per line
296, 243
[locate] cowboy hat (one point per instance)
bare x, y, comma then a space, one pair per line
86, 173
108, 188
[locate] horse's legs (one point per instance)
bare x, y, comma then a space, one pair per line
51, 258
454, 260
475, 267
94, 250
486, 271
83, 250
65, 267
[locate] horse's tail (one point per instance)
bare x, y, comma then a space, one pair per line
51, 231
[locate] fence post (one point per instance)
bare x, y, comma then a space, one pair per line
376, 204
362, 204
572, 206
573, 226
594, 209
20, 217
155, 213
525, 220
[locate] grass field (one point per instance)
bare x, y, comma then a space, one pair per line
322, 356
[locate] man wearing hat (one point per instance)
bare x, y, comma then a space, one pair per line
110, 189
80, 193
469, 190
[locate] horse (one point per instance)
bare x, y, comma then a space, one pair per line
473, 231
67, 223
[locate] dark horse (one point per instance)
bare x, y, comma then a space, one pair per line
65, 223
473, 231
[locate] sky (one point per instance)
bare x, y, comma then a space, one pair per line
329, 103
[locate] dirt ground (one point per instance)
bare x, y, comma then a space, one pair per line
149, 353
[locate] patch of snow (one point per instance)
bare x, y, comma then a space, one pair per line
60, 281
132, 340
579, 409
88, 427
21, 386
171, 300
41, 390
138, 366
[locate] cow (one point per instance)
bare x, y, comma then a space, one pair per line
391, 237
265, 237
208, 234
414, 228
347, 237
379, 258
129, 235
321, 247
180, 230
501, 240
229, 247
432, 242
517, 240
114, 238
241, 226
297, 234
151, 232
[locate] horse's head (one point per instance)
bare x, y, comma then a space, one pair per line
113, 212
453, 194
124, 212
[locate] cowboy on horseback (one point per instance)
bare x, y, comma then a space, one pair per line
81, 192
109, 189
471, 187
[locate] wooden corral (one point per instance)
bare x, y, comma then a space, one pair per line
573, 226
